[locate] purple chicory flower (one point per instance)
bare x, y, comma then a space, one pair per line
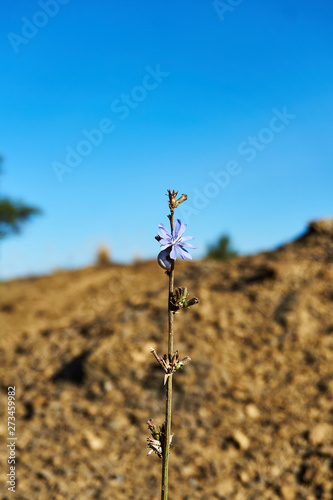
176, 240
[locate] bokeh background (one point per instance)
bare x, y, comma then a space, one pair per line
225, 66
105, 106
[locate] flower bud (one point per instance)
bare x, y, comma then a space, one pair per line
164, 259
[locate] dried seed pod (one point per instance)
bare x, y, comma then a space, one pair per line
179, 299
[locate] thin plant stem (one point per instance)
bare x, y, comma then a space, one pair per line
168, 405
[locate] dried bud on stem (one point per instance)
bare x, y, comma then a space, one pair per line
157, 441
179, 300
170, 366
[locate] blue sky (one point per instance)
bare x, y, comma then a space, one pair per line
106, 105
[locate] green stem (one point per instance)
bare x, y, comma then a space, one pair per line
168, 406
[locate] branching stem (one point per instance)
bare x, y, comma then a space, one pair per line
168, 406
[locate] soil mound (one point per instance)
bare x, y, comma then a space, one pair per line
253, 411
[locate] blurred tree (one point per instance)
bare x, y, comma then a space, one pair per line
222, 250
103, 258
13, 214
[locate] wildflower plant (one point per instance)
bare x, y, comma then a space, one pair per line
173, 244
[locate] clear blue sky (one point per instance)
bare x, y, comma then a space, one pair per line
230, 105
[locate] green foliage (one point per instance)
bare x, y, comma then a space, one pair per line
222, 250
13, 214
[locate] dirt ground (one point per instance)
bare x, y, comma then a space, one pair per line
253, 411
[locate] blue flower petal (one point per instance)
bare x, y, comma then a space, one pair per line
164, 241
173, 253
163, 231
163, 247
183, 253
176, 228
187, 245
182, 229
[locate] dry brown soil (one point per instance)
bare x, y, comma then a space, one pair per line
253, 411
